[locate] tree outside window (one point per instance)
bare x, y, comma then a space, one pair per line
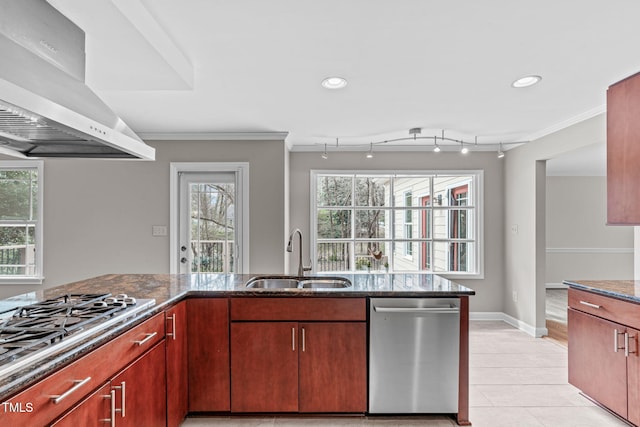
20, 233
411, 222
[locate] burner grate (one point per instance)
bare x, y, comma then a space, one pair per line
42, 324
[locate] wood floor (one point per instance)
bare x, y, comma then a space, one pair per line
556, 314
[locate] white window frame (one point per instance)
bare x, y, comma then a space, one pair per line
38, 277
241, 169
476, 194
408, 245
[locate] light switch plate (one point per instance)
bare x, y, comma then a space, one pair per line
158, 230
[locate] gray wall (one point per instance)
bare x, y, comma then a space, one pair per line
525, 251
99, 213
579, 243
490, 290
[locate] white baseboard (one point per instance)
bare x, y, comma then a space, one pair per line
556, 286
496, 315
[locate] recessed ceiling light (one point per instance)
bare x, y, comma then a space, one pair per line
526, 81
334, 83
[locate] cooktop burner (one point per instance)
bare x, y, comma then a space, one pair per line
35, 327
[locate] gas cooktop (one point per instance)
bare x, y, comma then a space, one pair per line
36, 330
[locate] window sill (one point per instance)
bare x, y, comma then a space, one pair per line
8, 280
458, 276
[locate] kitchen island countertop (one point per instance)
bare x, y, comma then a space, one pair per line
167, 289
628, 290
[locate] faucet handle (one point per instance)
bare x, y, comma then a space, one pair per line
307, 268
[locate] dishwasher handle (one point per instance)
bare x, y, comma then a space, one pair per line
409, 310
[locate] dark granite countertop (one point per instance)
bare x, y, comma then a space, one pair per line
167, 289
628, 290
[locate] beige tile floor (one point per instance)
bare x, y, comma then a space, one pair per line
515, 381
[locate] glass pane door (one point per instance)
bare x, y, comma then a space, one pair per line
208, 223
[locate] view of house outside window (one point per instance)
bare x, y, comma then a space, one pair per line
414, 222
20, 212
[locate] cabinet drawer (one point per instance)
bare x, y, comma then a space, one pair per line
322, 309
86, 374
623, 312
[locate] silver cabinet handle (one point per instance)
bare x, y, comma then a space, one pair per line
616, 345
123, 399
293, 339
173, 326
303, 340
111, 420
148, 338
626, 344
627, 352
77, 384
588, 304
435, 310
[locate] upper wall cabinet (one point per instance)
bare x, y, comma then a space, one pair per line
623, 152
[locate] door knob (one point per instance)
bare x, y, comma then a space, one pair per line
183, 248
183, 260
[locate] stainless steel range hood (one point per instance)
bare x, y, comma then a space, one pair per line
46, 109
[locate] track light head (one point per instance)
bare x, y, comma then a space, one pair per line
370, 152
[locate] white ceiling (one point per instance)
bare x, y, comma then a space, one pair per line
171, 67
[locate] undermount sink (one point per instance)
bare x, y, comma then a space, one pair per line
325, 283
296, 282
272, 282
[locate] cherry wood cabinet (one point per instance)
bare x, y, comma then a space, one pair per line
80, 378
603, 352
136, 396
264, 367
333, 359
623, 152
311, 365
141, 391
208, 355
177, 372
594, 366
95, 410
633, 377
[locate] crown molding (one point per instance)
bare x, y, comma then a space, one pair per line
213, 136
567, 123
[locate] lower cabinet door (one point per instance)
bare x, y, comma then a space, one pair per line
633, 376
595, 367
177, 374
264, 367
95, 410
333, 367
208, 355
141, 391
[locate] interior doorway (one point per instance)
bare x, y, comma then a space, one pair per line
578, 243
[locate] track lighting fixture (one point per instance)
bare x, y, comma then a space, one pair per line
440, 143
370, 152
436, 147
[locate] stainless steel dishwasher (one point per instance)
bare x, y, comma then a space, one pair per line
413, 358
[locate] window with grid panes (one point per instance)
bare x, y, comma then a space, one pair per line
409, 222
20, 221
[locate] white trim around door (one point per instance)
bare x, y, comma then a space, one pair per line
241, 171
